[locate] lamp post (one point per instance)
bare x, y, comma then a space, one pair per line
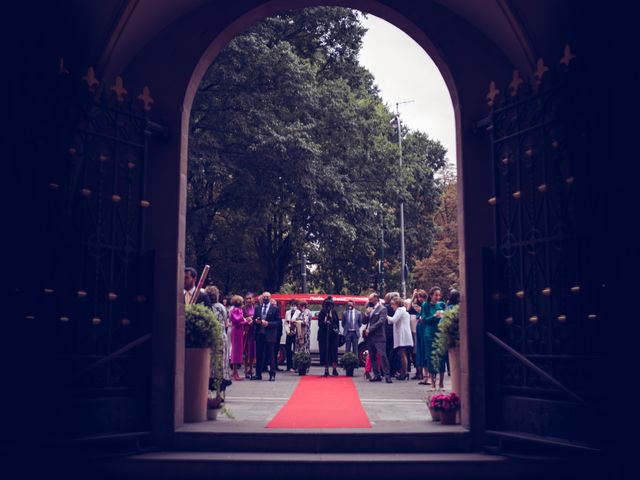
402, 252
304, 273
381, 265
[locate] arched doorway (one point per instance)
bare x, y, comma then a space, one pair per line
168, 178
161, 45
206, 207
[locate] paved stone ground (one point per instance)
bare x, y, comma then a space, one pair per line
397, 407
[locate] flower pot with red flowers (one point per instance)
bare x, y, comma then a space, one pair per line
447, 405
433, 403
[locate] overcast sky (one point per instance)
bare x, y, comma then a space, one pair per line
404, 71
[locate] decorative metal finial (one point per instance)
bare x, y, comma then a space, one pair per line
567, 57
145, 97
541, 69
493, 93
91, 79
61, 68
118, 87
516, 81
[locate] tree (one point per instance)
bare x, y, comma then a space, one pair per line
441, 267
292, 150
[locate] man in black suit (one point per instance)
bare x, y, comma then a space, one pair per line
189, 291
266, 318
376, 320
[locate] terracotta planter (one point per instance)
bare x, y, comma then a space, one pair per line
435, 414
448, 418
454, 364
212, 413
197, 363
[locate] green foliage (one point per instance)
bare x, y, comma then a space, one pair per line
302, 360
200, 326
292, 150
440, 265
349, 361
203, 330
448, 334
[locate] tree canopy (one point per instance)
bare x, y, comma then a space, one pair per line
293, 151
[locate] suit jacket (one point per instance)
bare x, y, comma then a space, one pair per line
377, 321
273, 317
357, 317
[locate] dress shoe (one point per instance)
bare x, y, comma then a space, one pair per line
402, 377
326, 373
272, 379
279, 370
376, 379
367, 375
256, 377
335, 373
388, 380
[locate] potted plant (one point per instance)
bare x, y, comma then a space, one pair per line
302, 362
435, 413
448, 340
447, 405
349, 361
215, 398
200, 329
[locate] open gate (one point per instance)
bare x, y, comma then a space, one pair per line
90, 295
547, 360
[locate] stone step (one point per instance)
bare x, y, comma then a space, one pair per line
284, 466
324, 442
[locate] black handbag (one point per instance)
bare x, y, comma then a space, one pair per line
341, 340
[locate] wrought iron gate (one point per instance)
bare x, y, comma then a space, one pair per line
92, 296
547, 361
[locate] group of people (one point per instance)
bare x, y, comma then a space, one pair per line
398, 333
401, 332
251, 330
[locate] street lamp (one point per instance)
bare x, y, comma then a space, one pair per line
304, 273
402, 252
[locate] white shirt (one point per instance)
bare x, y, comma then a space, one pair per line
401, 328
191, 293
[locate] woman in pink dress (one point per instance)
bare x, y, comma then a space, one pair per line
236, 315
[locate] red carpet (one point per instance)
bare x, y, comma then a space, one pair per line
319, 402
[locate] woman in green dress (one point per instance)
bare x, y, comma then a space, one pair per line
430, 315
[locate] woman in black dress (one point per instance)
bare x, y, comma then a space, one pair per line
328, 330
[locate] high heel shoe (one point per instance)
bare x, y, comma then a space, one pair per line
402, 377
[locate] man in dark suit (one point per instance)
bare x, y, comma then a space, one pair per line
189, 291
376, 320
266, 318
351, 323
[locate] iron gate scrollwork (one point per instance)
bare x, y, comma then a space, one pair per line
545, 297
96, 283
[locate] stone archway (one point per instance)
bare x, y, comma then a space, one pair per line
173, 64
